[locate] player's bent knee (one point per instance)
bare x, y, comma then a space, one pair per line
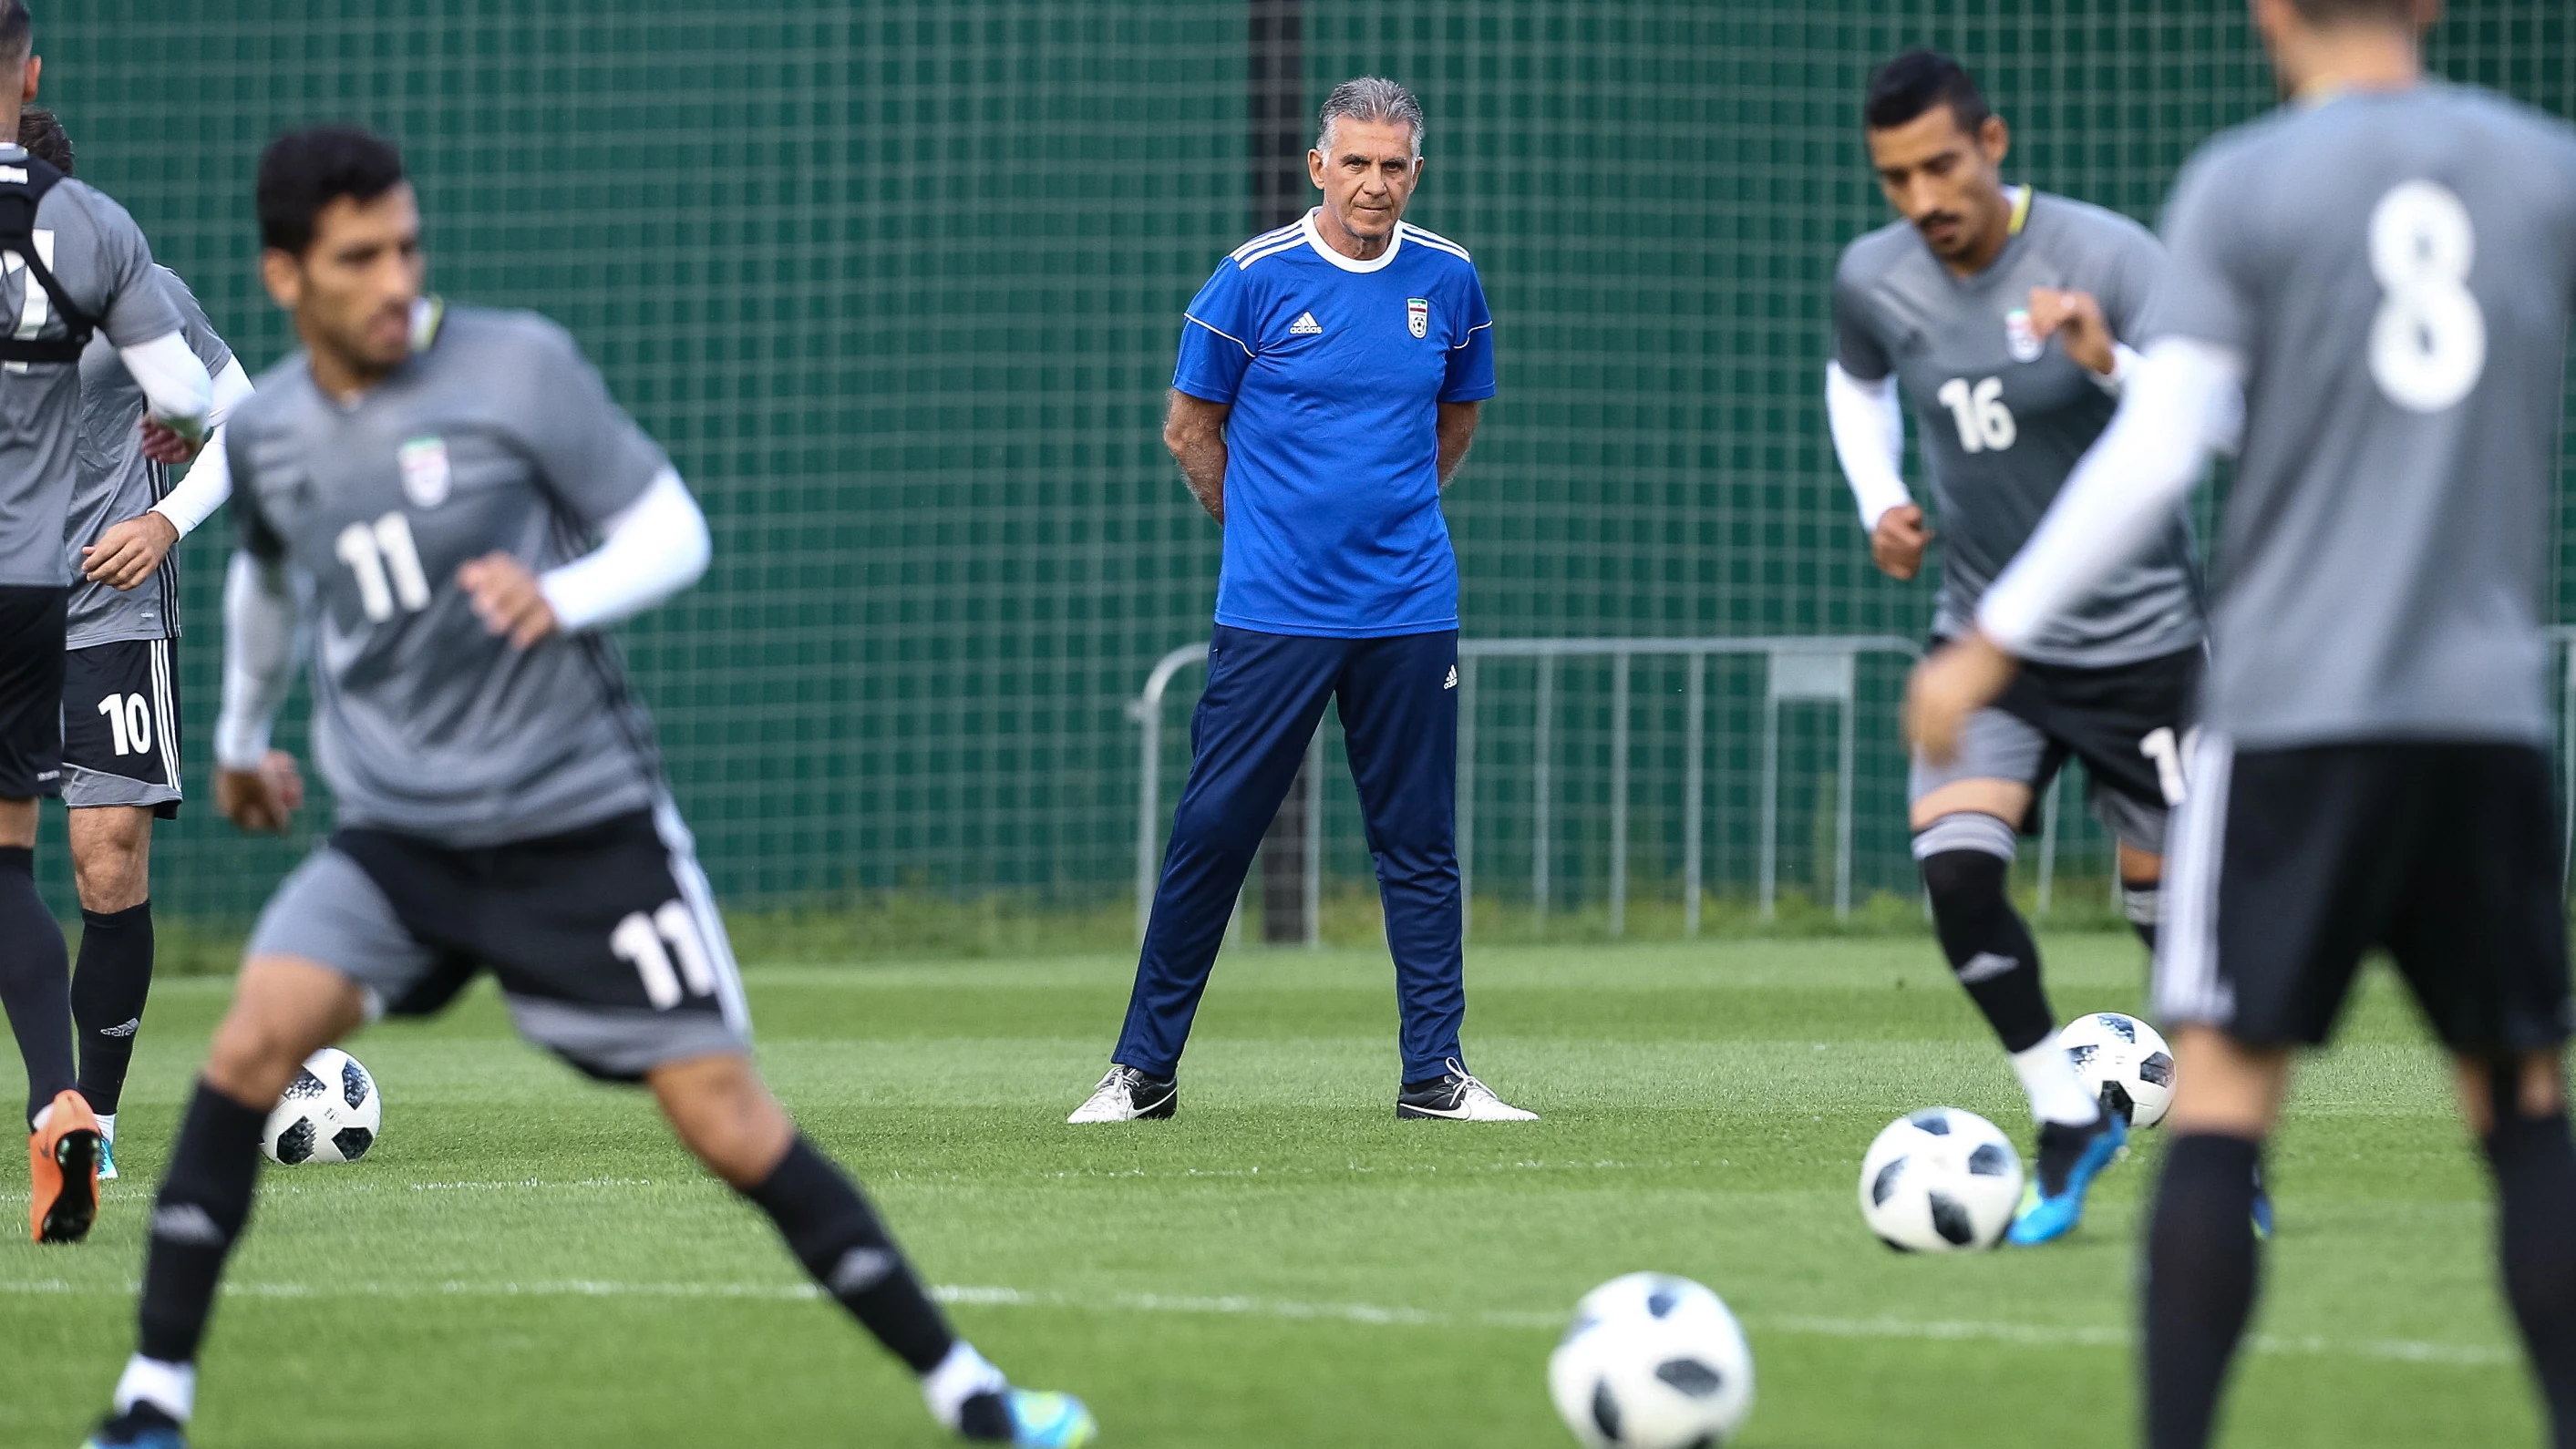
1964, 858
284, 1010
724, 1115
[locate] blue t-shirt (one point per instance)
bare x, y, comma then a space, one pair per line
1335, 370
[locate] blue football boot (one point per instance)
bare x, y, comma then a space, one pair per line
1028, 1420
141, 1427
2069, 1159
2262, 1207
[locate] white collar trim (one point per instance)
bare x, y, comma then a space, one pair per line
1325, 250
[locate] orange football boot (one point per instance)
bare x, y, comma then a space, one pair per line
62, 1166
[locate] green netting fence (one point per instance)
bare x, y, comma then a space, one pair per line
898, 285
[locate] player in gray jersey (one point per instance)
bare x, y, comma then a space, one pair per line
1996, 312
73, 267
2380, 276
121, 705
420, 490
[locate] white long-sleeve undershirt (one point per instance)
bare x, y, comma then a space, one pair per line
176, 387
2184, 404
210, 478
647, 553
1868, 422
259, 659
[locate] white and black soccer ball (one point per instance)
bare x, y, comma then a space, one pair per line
1940, 1181
2124, 1063
1652, 1362
331, 1112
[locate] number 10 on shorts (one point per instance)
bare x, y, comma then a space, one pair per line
651, 943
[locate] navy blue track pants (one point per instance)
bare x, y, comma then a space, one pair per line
1265, 697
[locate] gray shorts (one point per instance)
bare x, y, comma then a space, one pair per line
605, 939
2001, 746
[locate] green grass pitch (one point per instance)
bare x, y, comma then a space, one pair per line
527, 1259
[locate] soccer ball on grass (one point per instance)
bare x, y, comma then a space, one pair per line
1652, 1362
331, 1112
2124, 1063
1938, 1181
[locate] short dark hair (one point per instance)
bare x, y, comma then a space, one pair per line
304, 171
2336, 12
17, 31
42, 134
1915, 82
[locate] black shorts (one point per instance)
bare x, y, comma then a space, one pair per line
604, 939
121, 727
31, 691
2290, 865
2126, 723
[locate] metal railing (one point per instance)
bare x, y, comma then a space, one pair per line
1800, 670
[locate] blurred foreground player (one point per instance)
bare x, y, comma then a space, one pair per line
431, 472
77, 268
1997, 312
121, 705
2380, 275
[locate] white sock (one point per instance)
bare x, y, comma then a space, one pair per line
169, 1387
37, 1123
960, 1376
2056, 1094
107, 1126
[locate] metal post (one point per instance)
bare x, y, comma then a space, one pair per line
2048, 843
1770, 878
1149, 728
2567, 766
1314, 871
1466, 797
1618, 796
1843, 819
1694, 743
1542, 748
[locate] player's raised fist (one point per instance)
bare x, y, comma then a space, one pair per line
506, 598
2075, 320
1897, 543
262, 801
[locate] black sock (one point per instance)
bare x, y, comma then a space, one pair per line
832, 1231
2535, 1172
2200, 1283
203, 1206
109, 984
35, 980
1988, 946
2142, 901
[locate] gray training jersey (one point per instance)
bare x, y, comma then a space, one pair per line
495, 436
2004, 417
104, 265
117, 482
2395, 269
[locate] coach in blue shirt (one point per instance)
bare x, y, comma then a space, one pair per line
1329, 380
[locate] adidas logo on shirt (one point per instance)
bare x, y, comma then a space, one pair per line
1306, 326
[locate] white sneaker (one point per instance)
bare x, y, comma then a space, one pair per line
1128, 1095
1457, 1097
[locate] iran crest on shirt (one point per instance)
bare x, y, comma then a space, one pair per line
425, 477
1417, 315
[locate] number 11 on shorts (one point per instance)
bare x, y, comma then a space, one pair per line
2161, 747
648, 943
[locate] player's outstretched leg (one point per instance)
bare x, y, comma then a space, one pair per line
35, 991
283, 1011
726, 1116
1965, 858
112, 976
2526, 1141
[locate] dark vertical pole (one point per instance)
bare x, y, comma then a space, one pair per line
1275, 97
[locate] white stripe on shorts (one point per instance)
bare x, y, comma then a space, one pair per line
2188, 988
701, 900
164, 723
